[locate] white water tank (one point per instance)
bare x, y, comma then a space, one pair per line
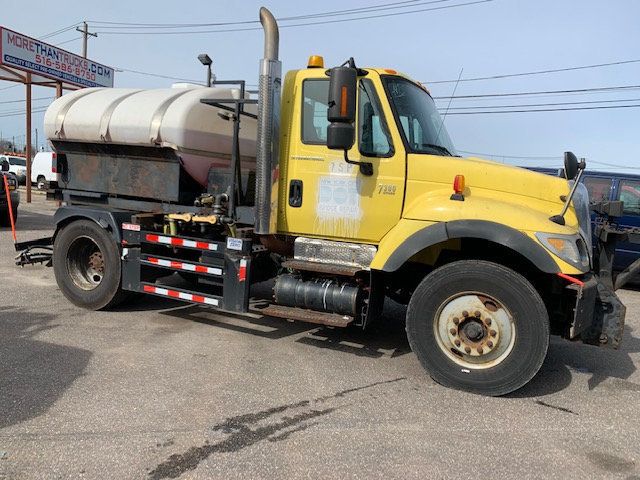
169, 117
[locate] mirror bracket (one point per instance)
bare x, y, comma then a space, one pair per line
366, 168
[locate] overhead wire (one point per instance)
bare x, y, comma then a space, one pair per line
350, 11
537, 72
324, 22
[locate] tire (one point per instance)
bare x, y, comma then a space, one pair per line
86, 264
41, 180
493, 354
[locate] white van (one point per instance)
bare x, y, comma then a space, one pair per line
17, 166
43, 170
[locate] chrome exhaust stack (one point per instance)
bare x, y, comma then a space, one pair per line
267, 156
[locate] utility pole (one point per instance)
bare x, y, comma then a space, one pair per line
85, 35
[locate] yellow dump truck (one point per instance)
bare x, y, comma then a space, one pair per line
342, 187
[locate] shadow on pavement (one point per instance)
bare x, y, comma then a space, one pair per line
31, 221
385, 338
608, 369
33, 374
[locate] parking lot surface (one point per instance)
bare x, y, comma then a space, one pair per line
160, 390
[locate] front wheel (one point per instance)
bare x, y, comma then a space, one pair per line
478, 326
86, 263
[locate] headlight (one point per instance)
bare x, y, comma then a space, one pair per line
570, 248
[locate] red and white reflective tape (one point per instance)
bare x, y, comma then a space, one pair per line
242, 271
189, 267
180, 242
181, 295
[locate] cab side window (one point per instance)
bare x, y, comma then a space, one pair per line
630, 195
599, 188
373, 134
315, 98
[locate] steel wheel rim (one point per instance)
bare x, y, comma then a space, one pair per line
85, 263
474, 330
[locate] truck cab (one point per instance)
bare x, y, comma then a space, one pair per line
415, 174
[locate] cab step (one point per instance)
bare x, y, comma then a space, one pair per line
303, 315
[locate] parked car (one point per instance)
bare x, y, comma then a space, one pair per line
613, 186
17, 166
44, 170
14, 195
619, 186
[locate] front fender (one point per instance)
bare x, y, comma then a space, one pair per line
412, 236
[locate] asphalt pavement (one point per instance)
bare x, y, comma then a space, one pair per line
159, 389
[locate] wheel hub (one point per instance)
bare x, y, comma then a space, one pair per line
85, 263
474, 330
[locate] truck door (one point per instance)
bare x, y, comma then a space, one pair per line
329, 198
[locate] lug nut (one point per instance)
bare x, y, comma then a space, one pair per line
467, 349
465, 313
477, 314
493, 332
490, 344
456, 320
488, 321
453, 331
479, 349
457, 342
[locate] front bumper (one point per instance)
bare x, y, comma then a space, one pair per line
598, 314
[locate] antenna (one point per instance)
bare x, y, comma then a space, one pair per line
455, 87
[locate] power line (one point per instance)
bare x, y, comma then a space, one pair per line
544, 158
149, 74
69, 41
538, 157
59, 31
23, 101
547, 110
302, 24
545, 104
22, 113
538, 72
544, 92
351, 11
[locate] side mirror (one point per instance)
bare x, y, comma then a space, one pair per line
4, 166
343, 84
570, 165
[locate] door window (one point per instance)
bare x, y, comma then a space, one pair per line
315, 94
374, 137
630, 195
599, 188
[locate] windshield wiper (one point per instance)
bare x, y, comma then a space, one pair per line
439, 148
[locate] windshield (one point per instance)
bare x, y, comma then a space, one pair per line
422, 126
21, 162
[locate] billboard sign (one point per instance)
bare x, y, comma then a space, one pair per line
30, 55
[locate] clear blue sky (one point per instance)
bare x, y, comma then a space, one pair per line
497, 37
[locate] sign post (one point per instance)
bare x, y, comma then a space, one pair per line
28, 147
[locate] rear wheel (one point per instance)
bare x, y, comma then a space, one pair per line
478, 326
86, 263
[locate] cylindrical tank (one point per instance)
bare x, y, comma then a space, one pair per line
324, 295
169, 117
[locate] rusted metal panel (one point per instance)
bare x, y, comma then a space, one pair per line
139, 172
130, 176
